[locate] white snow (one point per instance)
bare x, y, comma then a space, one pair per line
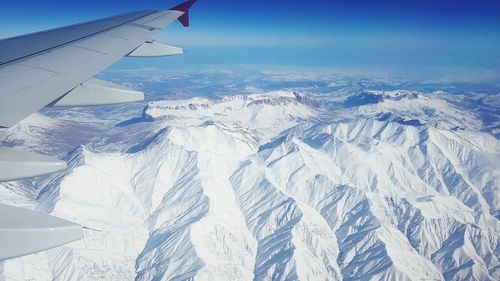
271, 187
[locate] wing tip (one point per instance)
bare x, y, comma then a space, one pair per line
184, 7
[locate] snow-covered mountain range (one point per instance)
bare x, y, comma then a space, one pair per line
283, 185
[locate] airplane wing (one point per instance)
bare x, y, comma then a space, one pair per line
56, 68
38, 69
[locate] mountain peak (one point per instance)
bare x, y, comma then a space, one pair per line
278, 185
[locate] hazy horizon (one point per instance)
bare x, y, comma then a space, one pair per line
446, 40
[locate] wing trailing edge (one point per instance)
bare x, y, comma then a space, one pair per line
99, 92
153, 49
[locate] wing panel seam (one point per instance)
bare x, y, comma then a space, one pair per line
89, 49
143, 26
37, 67
72, 41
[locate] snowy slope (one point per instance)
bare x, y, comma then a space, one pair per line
371, 185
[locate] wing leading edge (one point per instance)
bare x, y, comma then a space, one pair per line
56, 68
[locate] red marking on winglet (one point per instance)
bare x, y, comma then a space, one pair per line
184, 7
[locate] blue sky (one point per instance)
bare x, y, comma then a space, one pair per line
430, 38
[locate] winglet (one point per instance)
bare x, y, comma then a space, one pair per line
184, 7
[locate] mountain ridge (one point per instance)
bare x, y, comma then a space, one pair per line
280, 186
